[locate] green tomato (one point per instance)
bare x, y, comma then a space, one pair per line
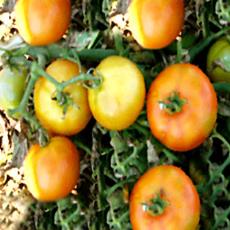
12, 85
218, 61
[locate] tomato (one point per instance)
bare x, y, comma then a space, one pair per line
42, 22
218, 61
155, 24
164, 198
51, 172
118, 101
49, 112
12, 86
181, 107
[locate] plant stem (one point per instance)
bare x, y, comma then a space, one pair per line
222, 87
39, 71
193, 52
21, 109
57, 51
82, 77
179, 50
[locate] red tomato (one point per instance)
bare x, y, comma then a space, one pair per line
51, 172
164, 198
155, 24
42, 22
181, 107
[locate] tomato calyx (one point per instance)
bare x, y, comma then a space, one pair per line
173, 103
156, 205
64, 100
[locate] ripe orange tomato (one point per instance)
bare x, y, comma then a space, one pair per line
50, 113
117, 103
164, 198
42, 22
181, 107
51, 172
155, 24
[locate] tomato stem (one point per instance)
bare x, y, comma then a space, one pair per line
222, 87
156, 206
21, 110
193, 52
62, 98
173, 104
57, 51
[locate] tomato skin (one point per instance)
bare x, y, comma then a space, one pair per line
50, 113
155, 24
219, 51
42, 22
12, 86
119, 100
183, 209
51, 172
188, 128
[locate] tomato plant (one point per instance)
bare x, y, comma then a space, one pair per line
118, 101
51, 172
155, 24
12, 85
218, 61
164, 198
51, 112
114, 160
181, 107
42, 22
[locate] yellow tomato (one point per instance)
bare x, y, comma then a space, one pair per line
119, 100
50, 113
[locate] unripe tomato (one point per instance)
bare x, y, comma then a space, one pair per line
42, 22
51, 172
119, 100
164, 198
181, 107
12, 86
155, 24
218, 61
49, 112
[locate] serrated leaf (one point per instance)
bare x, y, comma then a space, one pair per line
117, 142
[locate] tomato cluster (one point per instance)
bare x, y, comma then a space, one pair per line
181, 108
